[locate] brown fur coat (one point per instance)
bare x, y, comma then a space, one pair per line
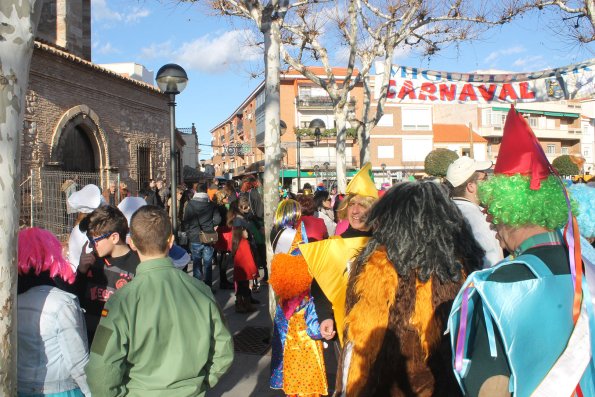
395, 326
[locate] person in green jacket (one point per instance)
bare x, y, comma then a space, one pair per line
162, 334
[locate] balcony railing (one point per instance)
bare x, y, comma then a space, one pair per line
308, 133
309, 162
318, 102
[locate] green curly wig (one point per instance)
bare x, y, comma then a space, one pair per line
510, 201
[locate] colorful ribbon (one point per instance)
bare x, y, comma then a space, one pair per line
460, 349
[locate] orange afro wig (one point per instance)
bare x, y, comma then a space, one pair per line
289, 276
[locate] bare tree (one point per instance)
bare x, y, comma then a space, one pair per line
18, 22
371, 31
572, 12
268, 17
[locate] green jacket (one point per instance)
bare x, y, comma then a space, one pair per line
161, 335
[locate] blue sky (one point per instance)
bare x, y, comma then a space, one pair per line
223, 69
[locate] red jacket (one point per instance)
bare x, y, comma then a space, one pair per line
315, 228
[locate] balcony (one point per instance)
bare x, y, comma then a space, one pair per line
559, 133
318, 102
308, 133
310, 162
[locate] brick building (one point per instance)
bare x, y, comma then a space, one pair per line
83, 118
238, 141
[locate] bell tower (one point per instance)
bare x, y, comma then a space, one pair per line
67, 24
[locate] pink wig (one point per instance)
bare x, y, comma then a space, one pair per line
40, 251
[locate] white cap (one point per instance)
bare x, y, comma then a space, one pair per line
86, 200
462, 169
129, 205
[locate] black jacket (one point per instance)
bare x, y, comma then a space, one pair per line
200, 214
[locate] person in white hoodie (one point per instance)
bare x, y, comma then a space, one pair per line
463, 177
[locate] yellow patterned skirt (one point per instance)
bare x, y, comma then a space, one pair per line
304, 373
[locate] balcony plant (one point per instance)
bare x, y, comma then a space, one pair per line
308, 133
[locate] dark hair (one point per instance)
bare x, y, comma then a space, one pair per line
424, 233
201, 188
107, 219
320, 197
307, 203
150, 230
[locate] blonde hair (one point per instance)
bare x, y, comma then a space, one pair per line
366, 201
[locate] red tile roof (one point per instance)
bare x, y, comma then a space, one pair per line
455, 133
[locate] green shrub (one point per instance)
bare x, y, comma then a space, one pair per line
564, 165
438, 160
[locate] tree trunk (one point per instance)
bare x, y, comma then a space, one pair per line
340, 119
18, 22
272, 39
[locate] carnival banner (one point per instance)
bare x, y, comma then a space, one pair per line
414, 85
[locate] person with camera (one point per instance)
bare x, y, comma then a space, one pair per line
200, 221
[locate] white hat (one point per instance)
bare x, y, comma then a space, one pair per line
86, 200
462, 169
129, 205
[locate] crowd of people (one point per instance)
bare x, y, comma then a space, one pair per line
479, 285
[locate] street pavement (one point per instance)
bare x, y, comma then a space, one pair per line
249, 373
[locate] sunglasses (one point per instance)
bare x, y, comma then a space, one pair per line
93, 241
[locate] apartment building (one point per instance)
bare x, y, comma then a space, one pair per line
308, 131
457, 117
557, 126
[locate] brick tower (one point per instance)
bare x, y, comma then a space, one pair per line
67, 24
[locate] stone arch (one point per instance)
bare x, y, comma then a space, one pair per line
84, 120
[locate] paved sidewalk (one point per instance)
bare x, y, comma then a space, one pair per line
249, 373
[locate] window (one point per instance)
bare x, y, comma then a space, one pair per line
143, 165
533, 122
416, 149
486, 117
386, 120
416, 119
550, 149
386, 152
585, 129
586, 153
564, 150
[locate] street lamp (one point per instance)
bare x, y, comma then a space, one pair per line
326, 166
317, 125
202, 164
299, 165
316, 169
282, 127
172, 80
383, 166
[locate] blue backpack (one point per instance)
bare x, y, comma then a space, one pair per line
533, 334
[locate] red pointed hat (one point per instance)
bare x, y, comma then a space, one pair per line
520, 151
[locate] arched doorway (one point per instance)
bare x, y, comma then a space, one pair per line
78, 143
77, 154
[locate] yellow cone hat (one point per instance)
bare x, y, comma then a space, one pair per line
362, 183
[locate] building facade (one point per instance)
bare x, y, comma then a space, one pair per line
84, 122
308, 131
400, 141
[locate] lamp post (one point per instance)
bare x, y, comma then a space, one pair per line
383, 166
326, 166
172, 80
299, 165
316, 173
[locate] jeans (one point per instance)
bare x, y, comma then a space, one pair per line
202, 262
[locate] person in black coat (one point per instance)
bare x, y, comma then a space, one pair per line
201, 215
